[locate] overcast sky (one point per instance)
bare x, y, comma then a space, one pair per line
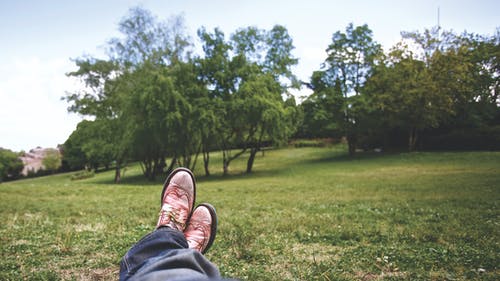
39, 39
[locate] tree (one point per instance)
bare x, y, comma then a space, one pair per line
244, 78
73, 157
152, 107
351, 57
476, 68
325, 105
98, 143
265, 115
195, 116
10, 165
51, 160
465, 70
217, 73
133, 93
162, 103
97, 99
408, 97
152, 111
92, 145
263, 60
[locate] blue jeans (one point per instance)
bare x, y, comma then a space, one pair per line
164, 255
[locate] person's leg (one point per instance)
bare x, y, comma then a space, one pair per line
152, 245
164, 255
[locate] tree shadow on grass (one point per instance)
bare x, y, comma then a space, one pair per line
135, 180
131, 180
327, 157
346, 158
240, 175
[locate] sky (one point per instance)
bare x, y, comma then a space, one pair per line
40, 40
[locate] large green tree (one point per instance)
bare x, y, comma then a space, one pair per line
464, 69
51, 160
217, 74
407, 96
166, 104
265, 61
134, 91
93, 145
151, 106
350, 60
246, 77
11, 165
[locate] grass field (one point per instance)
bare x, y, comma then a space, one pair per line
304, 214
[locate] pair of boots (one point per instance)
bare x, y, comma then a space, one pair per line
199, 224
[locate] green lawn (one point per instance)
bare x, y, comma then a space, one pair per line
304, 214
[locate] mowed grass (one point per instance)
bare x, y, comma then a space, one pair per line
304, 214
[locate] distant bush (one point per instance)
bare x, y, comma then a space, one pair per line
82, 175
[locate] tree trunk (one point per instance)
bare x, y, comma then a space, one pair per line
227, 158
412, 139
154, 169
225, 167
351, 143
171, 166
118, 176
186, 161
206, 160
147, 168
251, 159
196, 157
225, 162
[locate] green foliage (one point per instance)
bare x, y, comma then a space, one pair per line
408, 96
305, 214
91, 145
73, 157
51, 160
432, 82
247, 88
351, 57
10, 165
154, 100
163, 102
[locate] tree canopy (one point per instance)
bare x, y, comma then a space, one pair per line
11, 165
157, 101
433, 82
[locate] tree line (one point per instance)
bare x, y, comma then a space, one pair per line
437, 89
154, 101
157, 99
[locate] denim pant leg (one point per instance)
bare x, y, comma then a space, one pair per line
163, 254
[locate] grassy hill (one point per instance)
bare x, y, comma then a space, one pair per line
304, 214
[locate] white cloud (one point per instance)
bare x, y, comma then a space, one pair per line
31, 111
